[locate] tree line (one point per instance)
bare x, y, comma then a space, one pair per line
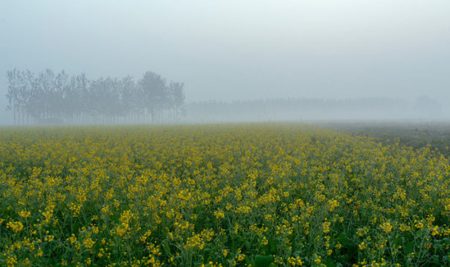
50, 97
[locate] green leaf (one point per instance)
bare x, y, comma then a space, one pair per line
261, 261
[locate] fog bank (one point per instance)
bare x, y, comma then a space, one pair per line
230, 50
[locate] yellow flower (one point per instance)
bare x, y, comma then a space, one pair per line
264, 241
195, 241
419, 225
144, 237
11, 261
72, 239
201, 189
332, 204
16, 227
219, 214
295, 261
362, 231
404, 228
24, 214
40, 253
122, 229
49, 238
225, 252
318, 260
243, 209
75, 208
125, 219
435, 231
362, 246
240, 257
386, 227
326, 227
95, 230
88, 243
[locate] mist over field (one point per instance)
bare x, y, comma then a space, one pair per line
240, 60
225, 133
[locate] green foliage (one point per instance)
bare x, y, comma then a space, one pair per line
219, 195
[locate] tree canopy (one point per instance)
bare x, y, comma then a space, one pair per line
49, 97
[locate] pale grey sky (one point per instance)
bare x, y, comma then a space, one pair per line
239, 49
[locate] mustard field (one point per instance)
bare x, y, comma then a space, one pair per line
219, 195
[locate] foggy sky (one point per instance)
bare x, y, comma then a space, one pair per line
239, 49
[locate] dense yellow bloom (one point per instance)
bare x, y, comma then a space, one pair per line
16, 227
145, 236
88, 243
48, 213
122, 229
326, 227
124, 225
295, 261
386, 227
24, 214
218, 196
403, 227
195, 242
243, 209
219, 214
11, 261
72, 239
332, 204
435, 231
75, 208
199, 241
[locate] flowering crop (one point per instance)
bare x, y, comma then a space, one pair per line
219, 195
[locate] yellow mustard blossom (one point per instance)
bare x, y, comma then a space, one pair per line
326, 227
295, 261
192, 195
16, 227
24, 214
386, 227
88, 243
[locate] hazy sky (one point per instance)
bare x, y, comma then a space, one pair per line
239, 49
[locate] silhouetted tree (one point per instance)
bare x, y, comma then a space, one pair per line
154, 92
51, 97
177, 98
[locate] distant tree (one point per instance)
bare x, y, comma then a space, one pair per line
19, 93
155, 93
48, 96
130, 97
177, 98
12, 93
